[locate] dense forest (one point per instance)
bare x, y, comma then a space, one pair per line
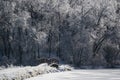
77, 32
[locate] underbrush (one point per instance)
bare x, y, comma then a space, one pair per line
21, 73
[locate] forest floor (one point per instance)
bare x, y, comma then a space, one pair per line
100, 74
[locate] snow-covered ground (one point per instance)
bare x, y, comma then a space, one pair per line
45, 72
104, 74
21, 73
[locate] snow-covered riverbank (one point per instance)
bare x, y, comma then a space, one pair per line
102, 74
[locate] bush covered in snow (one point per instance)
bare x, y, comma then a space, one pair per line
66, 68
20, 73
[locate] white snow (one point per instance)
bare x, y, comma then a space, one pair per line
21, 73
45, 72
81, 75
18, 73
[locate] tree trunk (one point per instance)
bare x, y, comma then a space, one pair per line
19, 45
49, 43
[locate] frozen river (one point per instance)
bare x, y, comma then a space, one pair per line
101, 74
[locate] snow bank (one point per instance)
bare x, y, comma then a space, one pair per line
65, 68
20, 73
98, 74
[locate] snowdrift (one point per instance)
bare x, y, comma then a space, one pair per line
21, 73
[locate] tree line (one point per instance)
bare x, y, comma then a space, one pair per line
78, 32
